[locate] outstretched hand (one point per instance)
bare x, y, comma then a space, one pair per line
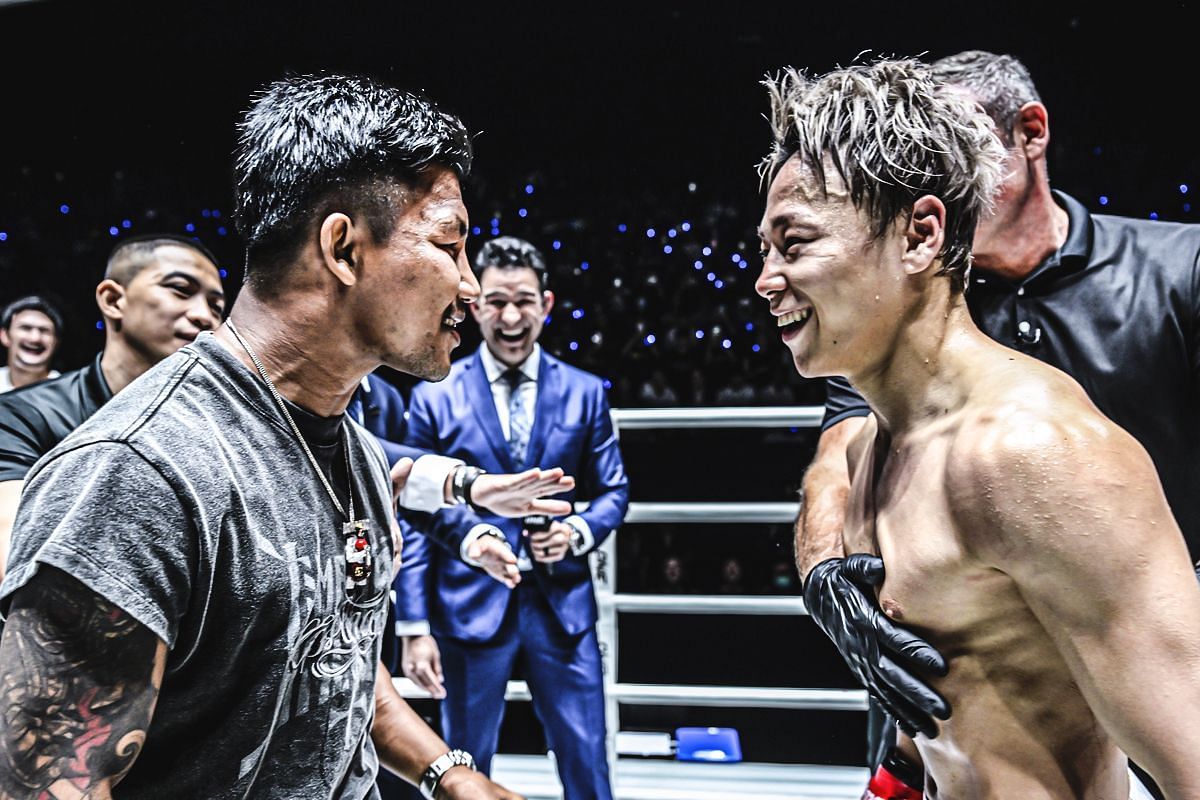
523, 493
839, 594
496, 558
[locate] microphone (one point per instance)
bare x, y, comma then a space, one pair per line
537, 523
1027, 333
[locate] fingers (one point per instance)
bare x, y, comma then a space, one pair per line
918, 702
502, 570
908, 648
551, 508
863, 568
549, 546
400, 472
428, 678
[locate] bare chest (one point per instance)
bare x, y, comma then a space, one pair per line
900, 509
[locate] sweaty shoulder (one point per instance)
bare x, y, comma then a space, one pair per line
1033, 453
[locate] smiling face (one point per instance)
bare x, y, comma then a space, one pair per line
414, 287
512, 312
31, 339
168, 302
835, 292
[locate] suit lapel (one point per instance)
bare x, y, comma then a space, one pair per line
483, 404
543, 417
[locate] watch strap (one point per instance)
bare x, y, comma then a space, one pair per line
440, 766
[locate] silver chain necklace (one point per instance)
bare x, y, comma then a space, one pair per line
358, 548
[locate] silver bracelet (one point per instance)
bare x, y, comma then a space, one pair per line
440, 766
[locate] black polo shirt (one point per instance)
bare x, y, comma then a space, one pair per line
1117, 308
33, 419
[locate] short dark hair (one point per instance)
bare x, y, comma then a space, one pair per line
1000, 83
134, 254
32, 302
311, 144
509, 252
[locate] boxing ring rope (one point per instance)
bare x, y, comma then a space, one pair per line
610, 603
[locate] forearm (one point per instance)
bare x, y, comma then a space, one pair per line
826, 487
404, 743
78, 682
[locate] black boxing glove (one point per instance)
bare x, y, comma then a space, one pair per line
840, 596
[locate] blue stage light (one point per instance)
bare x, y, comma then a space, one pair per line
577, 313
64, 209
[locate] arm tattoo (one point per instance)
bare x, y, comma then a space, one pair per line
77, 688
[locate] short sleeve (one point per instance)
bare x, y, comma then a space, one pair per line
842, 402
21, 433
103, 514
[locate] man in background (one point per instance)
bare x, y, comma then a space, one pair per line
499, 592
30, 329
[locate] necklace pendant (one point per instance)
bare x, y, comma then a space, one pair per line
359, 561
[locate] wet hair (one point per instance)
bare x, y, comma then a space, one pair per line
1000, 83
312, 145
134, 254
509, 252
894, 134
32, 302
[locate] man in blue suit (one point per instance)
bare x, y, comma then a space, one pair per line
496, 593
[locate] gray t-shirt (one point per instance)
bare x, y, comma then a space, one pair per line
187, 502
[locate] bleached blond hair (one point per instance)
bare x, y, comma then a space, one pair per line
894, 134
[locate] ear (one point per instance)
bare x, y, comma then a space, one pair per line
1031, 130
925, 234
547, 302
110, 299
4, 340
341, 247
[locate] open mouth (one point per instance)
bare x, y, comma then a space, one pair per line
793, 321
452, 318
33, 349
512, 337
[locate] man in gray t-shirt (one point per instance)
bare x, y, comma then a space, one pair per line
235, 583
198, 576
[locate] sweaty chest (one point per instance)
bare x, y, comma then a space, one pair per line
899, 509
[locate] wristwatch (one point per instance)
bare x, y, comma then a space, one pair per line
460, 484
440, 766
576, 539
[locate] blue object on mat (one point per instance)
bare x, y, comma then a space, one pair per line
708, 744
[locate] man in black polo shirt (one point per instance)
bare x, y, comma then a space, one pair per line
159, 291
1113, 302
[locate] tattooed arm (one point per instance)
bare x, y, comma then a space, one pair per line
78, 681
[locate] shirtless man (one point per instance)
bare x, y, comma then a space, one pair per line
1018, 524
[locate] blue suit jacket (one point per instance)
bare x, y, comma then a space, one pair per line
572, 429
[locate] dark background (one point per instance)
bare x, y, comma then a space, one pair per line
636, 115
